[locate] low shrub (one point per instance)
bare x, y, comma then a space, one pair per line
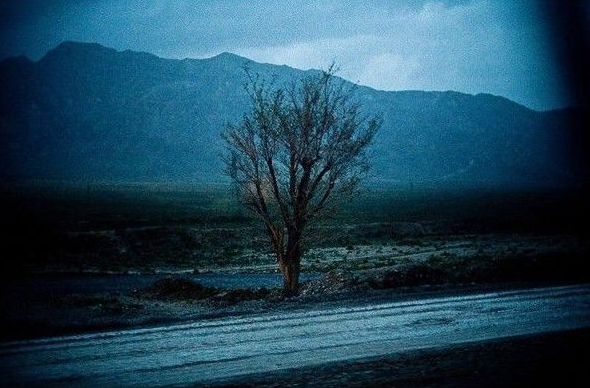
179, 289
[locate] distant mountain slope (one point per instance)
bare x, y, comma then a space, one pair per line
86, 112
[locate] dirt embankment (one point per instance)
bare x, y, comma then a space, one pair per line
176, 300
31, 311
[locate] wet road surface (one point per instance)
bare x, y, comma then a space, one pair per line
215, 350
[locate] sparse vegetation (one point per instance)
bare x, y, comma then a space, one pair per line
487, 237
122, 229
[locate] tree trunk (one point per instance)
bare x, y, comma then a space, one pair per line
290, 269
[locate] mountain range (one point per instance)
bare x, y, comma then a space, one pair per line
87, 113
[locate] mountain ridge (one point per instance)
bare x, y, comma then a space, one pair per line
84, 111
236, 57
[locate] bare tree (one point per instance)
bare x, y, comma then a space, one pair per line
297, 151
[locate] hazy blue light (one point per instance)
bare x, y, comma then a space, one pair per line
498, 47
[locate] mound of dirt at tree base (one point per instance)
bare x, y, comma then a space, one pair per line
334, 282
344, 281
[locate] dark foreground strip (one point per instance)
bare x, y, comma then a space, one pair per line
551, 359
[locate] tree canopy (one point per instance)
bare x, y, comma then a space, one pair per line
297, 152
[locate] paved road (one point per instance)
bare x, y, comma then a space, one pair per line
214, 350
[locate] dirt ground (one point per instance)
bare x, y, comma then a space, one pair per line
381, 246
34, 307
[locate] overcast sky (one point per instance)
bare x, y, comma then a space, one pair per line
491, 46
